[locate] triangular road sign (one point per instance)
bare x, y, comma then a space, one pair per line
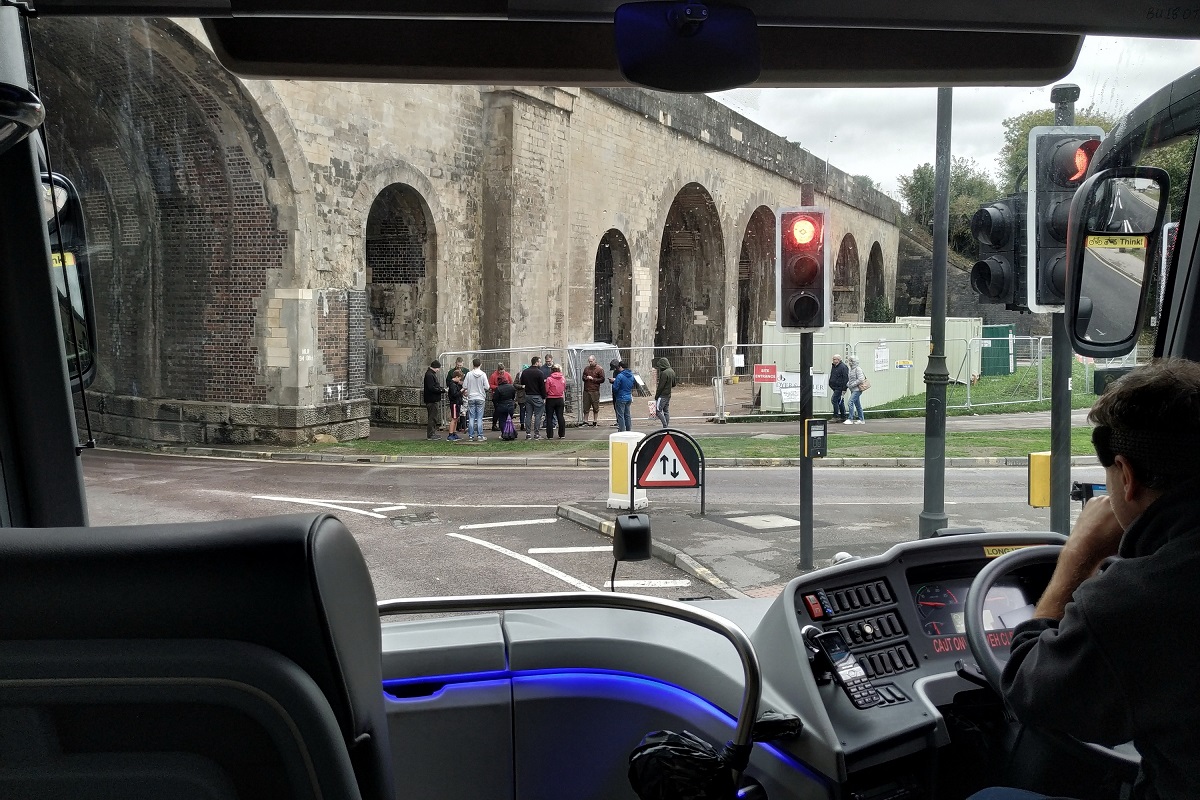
667, 468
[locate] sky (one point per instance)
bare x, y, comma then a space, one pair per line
885, 133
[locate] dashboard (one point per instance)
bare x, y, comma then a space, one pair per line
902, 615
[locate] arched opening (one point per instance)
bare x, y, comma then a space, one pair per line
401, 250
172, 167
845, 282
691, 275
613, 299
878, 308
756, 276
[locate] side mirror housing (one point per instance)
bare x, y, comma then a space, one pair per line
1113, 227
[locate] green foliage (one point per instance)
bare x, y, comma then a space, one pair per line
865, 183
970, 187
1176, 159
1014, 155
878, 310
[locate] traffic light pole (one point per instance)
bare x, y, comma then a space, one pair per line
1063, 96
806, 463
933, 516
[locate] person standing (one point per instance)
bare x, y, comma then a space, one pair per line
855, 382
839, 379
476, 386
521, 395
662, 391
556, 403
493, 382
454, 392
593, 379
504, 399
623, 396
547, 365
535, 397
431, 396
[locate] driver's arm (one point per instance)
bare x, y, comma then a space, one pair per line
1059, 674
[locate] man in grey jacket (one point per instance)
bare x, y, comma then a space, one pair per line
1108, 656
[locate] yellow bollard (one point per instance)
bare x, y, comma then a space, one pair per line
620, 450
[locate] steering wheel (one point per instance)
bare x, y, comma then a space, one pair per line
989, 664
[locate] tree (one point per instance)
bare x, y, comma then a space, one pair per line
1176, 159
865, 183
917, 191
970, 187
1014, 155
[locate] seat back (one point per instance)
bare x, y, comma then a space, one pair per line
145, 603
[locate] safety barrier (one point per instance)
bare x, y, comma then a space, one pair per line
735, 392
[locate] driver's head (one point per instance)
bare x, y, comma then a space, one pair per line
1151, 419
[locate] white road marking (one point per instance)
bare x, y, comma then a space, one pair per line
381, 509
510, 524
600, 549
524, 559
649, 584
321, 503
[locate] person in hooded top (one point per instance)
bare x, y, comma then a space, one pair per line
556, 403
662, 391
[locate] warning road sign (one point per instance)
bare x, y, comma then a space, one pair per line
667, 467
668, 459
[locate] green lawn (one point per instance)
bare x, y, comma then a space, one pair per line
998, 394
867, 445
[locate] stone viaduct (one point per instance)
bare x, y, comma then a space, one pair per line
276, 259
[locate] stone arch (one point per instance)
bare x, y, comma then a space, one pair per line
400, 255
691, 274
756, 276
876, 288
187, 195
612, 305
846, 296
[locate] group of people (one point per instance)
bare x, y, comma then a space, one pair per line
842, 378
539, 389
538, 392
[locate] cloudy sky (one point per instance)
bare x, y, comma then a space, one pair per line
887, 132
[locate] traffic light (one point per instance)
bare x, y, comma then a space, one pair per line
1058, 163
998, 276
801, 276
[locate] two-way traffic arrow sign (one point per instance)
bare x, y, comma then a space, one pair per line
668, 468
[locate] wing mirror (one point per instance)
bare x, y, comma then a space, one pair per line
21, 112
1114, 223
63, 214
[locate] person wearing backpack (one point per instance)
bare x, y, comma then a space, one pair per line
504, 403
622, 389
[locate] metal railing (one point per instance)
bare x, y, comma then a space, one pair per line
734, 390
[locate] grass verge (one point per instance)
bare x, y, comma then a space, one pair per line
973, 444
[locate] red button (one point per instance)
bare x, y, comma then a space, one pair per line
814, 606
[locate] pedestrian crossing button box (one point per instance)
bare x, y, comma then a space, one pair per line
816, 436
631, 537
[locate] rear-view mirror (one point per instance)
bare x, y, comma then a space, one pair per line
1112, 246
687, 46
21, 112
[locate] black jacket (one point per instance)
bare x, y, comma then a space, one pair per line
1123, 664
432, 392
504, 398
534, 382
839, 377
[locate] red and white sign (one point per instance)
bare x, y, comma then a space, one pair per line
764, 373
667, 468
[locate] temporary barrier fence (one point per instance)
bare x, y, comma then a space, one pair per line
735, 392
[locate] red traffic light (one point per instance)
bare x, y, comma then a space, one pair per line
1071, 160
805, 230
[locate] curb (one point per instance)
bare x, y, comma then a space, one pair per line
592, 462
663, 552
